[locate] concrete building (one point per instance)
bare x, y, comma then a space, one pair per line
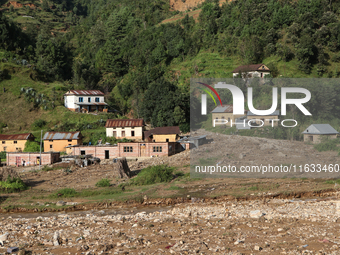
251, 71
316, 132
224, 113
128, 150
85, 101
192, 142
31, 158
58, 141
162, 134
129, 129
14, 143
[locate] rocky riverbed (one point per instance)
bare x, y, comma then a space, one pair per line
274, 226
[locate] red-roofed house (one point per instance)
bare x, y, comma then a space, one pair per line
251, 71
129, 128
85, 101
14, 143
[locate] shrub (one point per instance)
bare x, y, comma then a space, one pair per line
153, 174
14, 184
328, 145
31, 146
39, 123
3, 154
103, 183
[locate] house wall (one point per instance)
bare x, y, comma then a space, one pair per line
71, 100
138, 150
10, 146
227, 116
59, 145
31, 158
138, 132
317, 138
265, 119
162, 138
253, 74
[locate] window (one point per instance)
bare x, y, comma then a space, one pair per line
167, 140
15, 142
114, 134
50, 140
157, 148
69, 144
81, 100
128, 149
97, 99
82, 152
3, 142
123, 133
69, 140
51, 146
310, 138
89, 99
132, 133
5, 148
132, 127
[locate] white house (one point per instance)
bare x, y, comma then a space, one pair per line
85, 101
130, 128
251, 71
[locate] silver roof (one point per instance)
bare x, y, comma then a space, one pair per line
191, 139
224, 108
62, 135
320, 129
275, 113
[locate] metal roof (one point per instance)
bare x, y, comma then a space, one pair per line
224, 108
62, 135
124, 123
320, 129
249, 68
84, 93
275, 113
16, 137
163, 131
191, 139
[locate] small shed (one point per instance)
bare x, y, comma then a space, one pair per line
192, 142
315, 132
32, 158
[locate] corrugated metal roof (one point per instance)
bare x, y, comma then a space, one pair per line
62, 135
275, 113
224, 108
320, 129
249, 68
85, 92
16, 137
163, 131
124, 123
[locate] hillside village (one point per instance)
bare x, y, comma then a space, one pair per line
105, 139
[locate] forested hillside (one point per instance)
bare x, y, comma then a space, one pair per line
144, 65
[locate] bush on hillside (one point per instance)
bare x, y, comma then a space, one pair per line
328, 145
153, 174
103, 183
14, 184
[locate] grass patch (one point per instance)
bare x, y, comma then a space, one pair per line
174, 188
103, 183
153, 174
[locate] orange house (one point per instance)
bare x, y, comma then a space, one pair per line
14, 143
58, 141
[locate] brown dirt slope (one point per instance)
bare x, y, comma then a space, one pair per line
180, 5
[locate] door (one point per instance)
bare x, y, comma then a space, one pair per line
123, 133
17, 161
107, 154
142, 150
38, 161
